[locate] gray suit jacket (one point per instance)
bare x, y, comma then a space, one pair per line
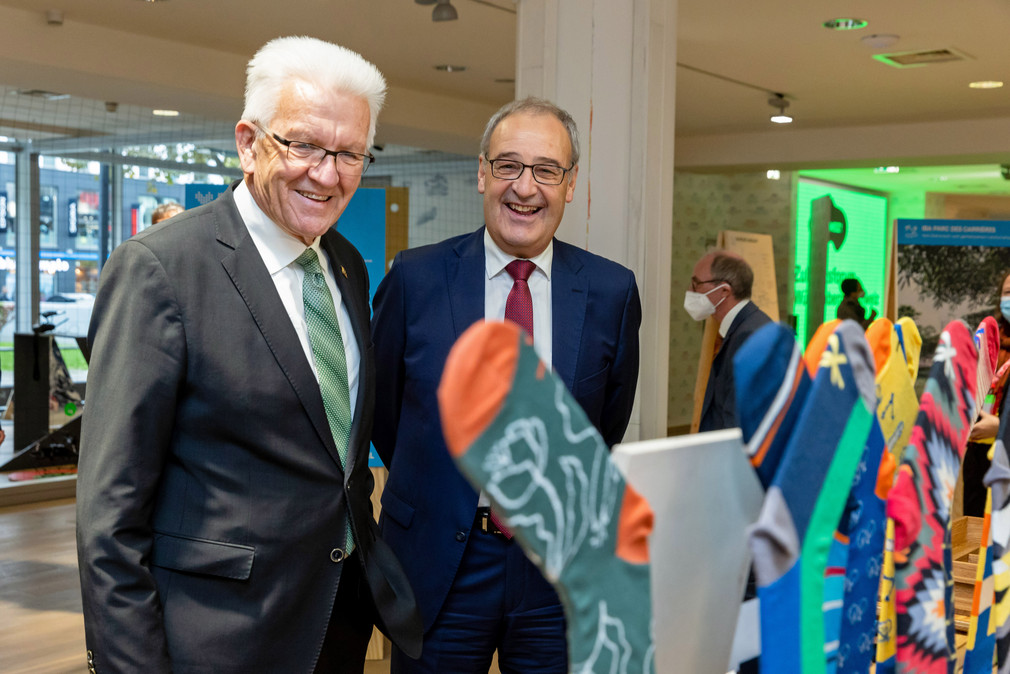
211, 499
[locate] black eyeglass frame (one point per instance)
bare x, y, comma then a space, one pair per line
326, 153
696, 283
531, 167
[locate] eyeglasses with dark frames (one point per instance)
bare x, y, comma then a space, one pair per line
697, 283
545, 174
308, 155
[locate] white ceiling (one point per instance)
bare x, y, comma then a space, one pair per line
731, 55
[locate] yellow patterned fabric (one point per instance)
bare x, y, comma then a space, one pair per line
897, 406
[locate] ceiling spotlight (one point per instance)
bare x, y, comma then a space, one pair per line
779, 102
54, 17
986, 84
444, 11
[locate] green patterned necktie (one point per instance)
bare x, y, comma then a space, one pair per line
328, 351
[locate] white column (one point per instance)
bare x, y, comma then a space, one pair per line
612, 65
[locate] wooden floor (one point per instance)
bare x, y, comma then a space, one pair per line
41, 627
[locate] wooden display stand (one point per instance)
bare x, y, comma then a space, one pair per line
379, 647
965, 541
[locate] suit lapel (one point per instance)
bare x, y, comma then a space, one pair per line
464, 271
245, 267
569, 293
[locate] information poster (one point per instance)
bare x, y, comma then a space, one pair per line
949, 269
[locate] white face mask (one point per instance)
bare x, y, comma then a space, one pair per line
698, 305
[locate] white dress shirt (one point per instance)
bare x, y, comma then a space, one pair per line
498, 283
279, 251
727, 320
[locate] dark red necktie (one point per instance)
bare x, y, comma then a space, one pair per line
519, 305
519, 310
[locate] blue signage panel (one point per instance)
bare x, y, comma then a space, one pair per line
364, 225
989, 233
198, 194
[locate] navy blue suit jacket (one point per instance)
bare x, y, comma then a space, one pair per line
719, 409
430, 296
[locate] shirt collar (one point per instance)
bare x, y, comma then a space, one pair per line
730, 316
277, 248
495, 259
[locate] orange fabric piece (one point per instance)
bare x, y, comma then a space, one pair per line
634, 527
879, 336
815, 348
885, 475
476, 380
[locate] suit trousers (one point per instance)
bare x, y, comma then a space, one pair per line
351, 623
498, 601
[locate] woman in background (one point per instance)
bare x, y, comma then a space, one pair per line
983, 432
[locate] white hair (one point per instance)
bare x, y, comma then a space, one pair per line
323, 65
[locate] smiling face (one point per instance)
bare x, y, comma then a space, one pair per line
304, 201
522, 215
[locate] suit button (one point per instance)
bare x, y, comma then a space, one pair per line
91, 657
336, 555
460, 536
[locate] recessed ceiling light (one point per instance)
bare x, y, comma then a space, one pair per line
773, 174
986, 84
880, 40
450, 68
165, 113
845, 24
887, 169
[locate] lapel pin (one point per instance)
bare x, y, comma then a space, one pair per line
343, 271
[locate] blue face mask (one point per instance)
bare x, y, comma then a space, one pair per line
1004, 306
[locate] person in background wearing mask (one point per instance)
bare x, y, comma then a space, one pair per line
983, 431
850, 307
721, 287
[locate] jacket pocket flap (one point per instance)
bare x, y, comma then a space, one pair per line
397, 509
198, 555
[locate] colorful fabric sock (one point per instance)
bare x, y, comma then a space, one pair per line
987, 343
791, 540
893, 347
852, 578
515, 432
997, 479
980, 650
981, 645
919, 504
771, 384
864, 522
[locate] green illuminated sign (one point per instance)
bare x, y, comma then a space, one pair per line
840, 233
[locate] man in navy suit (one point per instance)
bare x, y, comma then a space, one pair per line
476, 591
721, 287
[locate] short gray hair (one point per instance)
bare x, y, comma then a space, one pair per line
324, 65
536, 106
734, 271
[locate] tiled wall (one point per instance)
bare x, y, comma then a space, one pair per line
703, 206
